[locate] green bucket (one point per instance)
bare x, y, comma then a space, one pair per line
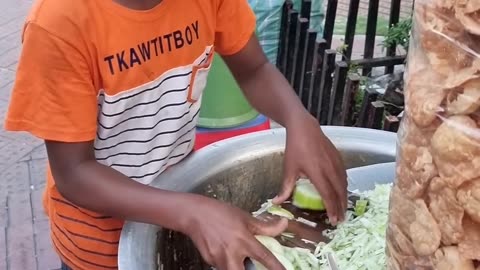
223, 103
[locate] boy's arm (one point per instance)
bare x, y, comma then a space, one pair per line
222, 233
89, 184
264, 86
309, 152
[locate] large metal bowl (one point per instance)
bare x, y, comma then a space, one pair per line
244, 171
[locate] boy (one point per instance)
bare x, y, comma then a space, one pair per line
114, 89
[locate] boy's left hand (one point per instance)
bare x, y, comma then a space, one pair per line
309, 153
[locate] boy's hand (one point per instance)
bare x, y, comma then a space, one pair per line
309, 153
225, 235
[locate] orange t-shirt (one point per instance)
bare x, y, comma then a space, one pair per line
131, 81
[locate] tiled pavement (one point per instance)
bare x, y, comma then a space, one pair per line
24, 234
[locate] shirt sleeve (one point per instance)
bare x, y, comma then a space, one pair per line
234, 26
53, 96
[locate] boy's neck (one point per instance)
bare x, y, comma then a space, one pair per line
139, 4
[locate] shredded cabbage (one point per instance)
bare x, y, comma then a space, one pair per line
290, 258
277, 210
357, 244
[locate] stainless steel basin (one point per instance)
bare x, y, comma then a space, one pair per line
244, 171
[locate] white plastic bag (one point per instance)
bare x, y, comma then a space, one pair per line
269, 15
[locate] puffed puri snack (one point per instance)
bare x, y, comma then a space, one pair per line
434, 218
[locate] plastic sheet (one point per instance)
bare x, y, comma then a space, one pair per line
269, 14
434, 218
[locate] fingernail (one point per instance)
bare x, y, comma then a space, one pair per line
333, 220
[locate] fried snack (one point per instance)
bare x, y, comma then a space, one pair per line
446, 210
401, 245
464, 99
449, 258
468, 13
447, 4
469, 247
424, 231
443, 39
456, 150
416, 222
462, 76
468, 196
423, 104
419, 136
415, 166
415, 170
402, 256
434, 218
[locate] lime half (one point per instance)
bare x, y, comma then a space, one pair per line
306, 196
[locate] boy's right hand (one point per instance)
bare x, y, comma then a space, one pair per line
225, 235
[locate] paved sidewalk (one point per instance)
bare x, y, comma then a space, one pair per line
383, 8
24, 234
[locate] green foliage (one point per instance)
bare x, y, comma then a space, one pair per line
354, 69
399, 34
358, 100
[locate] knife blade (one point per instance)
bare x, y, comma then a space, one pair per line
331, 261
249, 264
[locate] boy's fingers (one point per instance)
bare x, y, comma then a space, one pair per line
268, 228
328, 194
289, 180
336, 182
265, 257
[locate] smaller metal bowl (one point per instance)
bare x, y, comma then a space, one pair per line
366, 177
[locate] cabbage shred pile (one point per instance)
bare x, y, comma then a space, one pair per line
356, 244
359, 243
